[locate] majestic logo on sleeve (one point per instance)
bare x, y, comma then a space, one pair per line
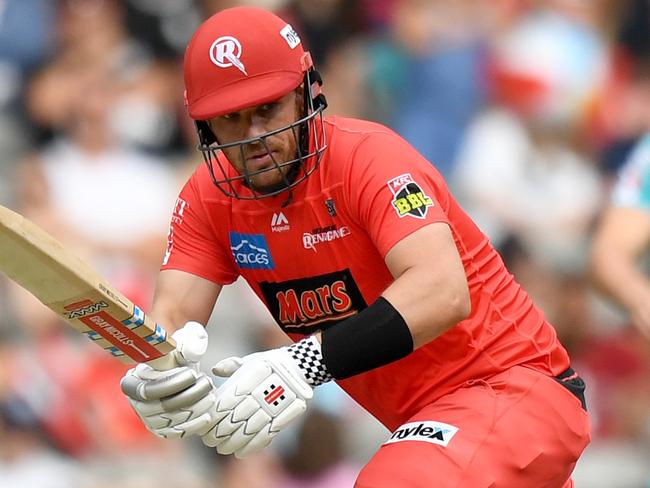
225, 52
306, 305
424, 431
408, 197
251, 251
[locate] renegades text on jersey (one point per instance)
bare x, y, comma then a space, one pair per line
318, 258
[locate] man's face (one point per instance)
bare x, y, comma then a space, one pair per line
258, 155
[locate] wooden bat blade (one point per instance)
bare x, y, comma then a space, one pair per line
76, 292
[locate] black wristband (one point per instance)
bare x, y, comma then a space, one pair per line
376, 336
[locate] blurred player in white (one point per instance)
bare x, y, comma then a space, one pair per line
623, 237
357, 248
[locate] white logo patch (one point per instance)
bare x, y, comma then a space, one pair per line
279, 223
290, 35
225, 52
408, 197
425, 431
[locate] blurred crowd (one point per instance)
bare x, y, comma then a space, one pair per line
529, 108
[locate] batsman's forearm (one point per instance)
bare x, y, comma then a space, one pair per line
429, 308
182, 297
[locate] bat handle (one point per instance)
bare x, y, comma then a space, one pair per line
164, 363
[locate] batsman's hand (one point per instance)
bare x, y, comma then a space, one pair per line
263, 394
180, 401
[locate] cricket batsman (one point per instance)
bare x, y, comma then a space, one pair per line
386, 286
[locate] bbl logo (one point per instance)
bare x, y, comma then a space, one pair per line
408, 197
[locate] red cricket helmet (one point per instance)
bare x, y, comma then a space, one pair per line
243, 57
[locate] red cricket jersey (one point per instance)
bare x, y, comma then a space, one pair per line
320, 259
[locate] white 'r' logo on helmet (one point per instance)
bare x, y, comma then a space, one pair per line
225, 52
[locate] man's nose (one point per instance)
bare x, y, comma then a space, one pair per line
256, 127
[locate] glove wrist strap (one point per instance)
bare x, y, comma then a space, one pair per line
309, 357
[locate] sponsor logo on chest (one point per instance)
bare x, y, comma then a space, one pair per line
323, 234
426, 431
251, 251
305, 305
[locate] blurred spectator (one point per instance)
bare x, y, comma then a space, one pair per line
261, 470
107, 201
624, 112
623, 237
317, 457
517, 100
26, 32
324, 25
26, 459
620, 362
427, 75
162, 27
119, 205
523, 169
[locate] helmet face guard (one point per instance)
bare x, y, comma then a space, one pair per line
308, 132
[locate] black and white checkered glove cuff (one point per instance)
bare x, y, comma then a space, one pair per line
309, 357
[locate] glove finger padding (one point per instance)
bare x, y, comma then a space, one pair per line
258, 432
262, 395
144, 383
197, 425
226, 367
156, 415
180, 401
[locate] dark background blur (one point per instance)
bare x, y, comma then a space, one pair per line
528, 108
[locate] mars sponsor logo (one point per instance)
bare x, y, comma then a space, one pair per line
323, 234
408, 197
425, 431
81, 309
306, 305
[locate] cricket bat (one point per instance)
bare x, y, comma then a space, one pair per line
76, 292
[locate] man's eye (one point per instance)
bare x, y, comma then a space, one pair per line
267, 107
230, 116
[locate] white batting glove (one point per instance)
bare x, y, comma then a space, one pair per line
180, 401
263, 394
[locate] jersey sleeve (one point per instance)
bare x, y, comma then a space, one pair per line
393, 191
192, 244
632, 188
